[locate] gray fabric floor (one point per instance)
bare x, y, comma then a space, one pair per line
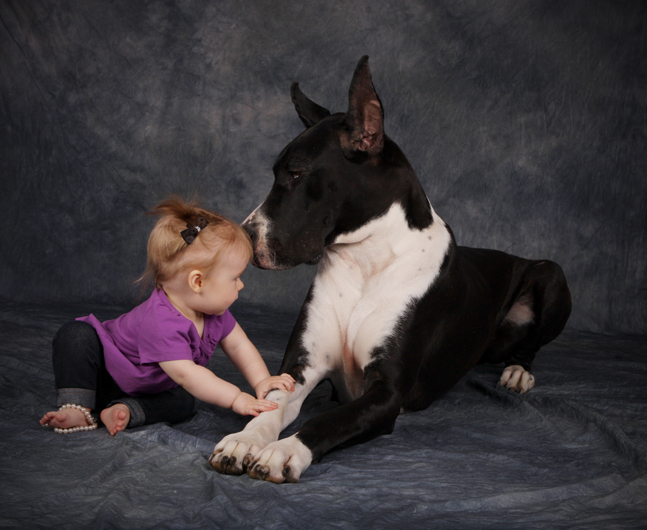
571, 454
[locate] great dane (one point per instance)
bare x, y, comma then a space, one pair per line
397, 312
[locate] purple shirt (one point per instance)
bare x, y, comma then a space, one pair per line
135, 343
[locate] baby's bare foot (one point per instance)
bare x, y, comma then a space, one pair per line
115, 418
64, 419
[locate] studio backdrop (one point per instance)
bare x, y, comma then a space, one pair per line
526, 122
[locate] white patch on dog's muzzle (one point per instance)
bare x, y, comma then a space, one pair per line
260, 225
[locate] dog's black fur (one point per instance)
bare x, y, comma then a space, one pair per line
344, 174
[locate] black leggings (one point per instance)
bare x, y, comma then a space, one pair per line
82, 379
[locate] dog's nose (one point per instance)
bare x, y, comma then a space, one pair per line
252, 230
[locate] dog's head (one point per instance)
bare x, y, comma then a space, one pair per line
330, 180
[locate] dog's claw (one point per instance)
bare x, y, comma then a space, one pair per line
258, 472
225, 465
287, 470
230, 466
215, 464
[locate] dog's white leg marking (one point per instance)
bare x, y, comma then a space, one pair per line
235, 451
285, 460
517, 379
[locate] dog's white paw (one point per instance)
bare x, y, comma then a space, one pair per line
281, 461
235, 451
517, 379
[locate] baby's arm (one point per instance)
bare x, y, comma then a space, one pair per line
203, 384
249, 362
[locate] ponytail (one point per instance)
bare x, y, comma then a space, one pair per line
187, 235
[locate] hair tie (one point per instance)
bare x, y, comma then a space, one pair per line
192, 230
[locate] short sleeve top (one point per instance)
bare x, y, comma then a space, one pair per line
135, 343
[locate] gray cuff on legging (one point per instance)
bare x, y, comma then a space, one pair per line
76, 396
137, 416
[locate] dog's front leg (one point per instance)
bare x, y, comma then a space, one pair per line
231, 455
234, 452
370, 415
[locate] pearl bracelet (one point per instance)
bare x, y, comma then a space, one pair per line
92, 424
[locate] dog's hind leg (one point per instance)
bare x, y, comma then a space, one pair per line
537, 316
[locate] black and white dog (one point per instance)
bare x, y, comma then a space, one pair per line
397, 313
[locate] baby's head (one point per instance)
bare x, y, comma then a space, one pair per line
188, 237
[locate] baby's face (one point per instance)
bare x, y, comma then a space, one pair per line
223, 283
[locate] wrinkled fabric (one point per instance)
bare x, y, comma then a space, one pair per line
570, 454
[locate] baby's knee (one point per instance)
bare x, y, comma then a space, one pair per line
74, 339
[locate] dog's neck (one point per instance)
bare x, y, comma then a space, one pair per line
377, 244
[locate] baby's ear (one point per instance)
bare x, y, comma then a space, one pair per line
195, 280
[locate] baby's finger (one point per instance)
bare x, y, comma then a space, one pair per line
264, 404
281, 385
289, 381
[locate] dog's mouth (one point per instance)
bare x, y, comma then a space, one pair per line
262, 262
314, 260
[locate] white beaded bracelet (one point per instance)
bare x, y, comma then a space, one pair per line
92, 424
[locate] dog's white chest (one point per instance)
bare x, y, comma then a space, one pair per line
364, 284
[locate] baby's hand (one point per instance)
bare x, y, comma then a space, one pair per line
255, 407
283, 382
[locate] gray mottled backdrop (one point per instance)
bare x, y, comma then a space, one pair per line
525, 120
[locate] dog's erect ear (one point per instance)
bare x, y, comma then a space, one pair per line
365, 117
309, 112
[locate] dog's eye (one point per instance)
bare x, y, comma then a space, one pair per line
296, 174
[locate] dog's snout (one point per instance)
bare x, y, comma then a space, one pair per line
252, 230
256, 226
252, 225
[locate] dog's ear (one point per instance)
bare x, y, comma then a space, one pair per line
365, 116
309, 112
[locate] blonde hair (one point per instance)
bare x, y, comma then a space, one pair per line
169, 253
